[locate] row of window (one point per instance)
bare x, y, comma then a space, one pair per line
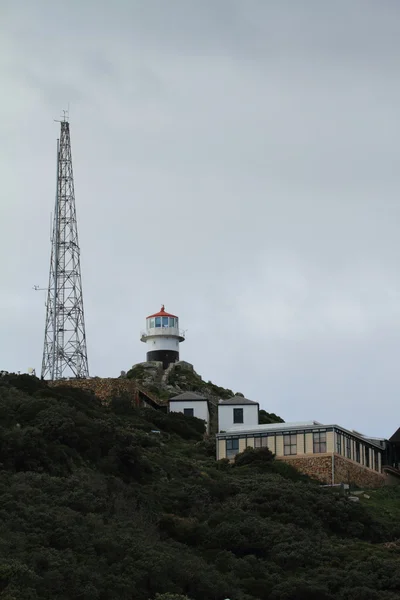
360, 457
319, 446
290, 443
162, 322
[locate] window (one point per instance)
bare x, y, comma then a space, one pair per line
338, 443
260, 442
171, 322
151, 323
319, 441
165, 321
232, 448
376, 460
188, 412
238, 415
358, 452
348, 447
158, 321
290, 444
367, 457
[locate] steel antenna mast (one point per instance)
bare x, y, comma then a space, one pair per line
65, 352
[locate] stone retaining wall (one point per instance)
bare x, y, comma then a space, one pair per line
345, 470
104, 389
317, 467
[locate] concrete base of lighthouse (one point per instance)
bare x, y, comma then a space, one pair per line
165, 356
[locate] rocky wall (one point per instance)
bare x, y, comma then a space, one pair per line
317, 467
104, 388
345, 470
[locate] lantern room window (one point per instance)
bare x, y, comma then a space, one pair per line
158, 321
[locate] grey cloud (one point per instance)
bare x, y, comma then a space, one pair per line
236, 161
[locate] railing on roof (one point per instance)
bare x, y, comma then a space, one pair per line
168, 331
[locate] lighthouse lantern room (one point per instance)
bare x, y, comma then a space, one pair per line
162, 337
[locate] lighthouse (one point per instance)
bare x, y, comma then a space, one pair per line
162, 337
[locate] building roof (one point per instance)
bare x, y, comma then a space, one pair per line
237, 400
277, 426
188, 396
395, 437
162, 313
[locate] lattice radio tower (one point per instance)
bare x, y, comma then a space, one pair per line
65, 353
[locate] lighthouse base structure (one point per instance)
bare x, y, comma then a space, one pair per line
165, 356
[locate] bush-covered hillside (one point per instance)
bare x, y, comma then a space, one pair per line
118, 503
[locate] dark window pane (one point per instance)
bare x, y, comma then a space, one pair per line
238, 415
290, 444
232, 448
319, 442
358, 452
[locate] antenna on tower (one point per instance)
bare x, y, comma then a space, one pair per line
64, 352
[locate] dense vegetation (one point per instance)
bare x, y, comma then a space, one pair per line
101, 503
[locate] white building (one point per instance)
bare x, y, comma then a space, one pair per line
191, 405
237, 412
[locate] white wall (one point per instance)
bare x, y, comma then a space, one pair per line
162, 343
200, 409
225, 416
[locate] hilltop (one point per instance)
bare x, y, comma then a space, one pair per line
181, 377
102, 502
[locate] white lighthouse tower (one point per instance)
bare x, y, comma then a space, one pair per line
163, 337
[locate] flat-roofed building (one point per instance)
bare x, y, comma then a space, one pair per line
329, 453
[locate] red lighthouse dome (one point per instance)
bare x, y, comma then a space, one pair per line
162, 313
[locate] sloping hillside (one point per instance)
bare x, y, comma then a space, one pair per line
181, 377
112, 502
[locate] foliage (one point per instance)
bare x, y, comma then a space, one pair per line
252, 456
171, 597
189, 380
267, 418
137, 372
116, 502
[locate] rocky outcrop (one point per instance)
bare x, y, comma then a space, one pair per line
177, 378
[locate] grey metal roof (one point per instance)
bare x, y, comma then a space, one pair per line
238, 400
188, 396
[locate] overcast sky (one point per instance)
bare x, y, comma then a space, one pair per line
237, 160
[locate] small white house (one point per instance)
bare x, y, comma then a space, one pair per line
191, 405
237, 412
